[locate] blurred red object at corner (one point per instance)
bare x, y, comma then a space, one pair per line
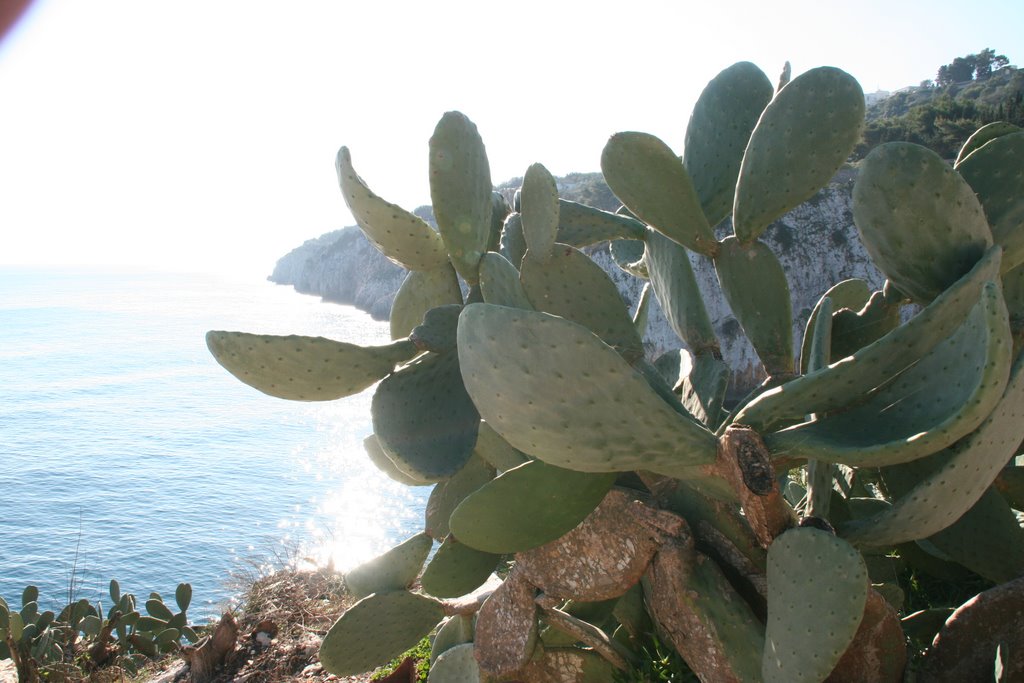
10, 10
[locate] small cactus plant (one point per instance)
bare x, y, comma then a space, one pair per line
756, 539
41, 642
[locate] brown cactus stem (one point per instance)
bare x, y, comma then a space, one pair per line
683, 616
878, 652
588, 634
743, 461
506, 628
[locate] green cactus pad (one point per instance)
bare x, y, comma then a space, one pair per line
305, 368
819, 347
852, 293
648, 177
802, 138
421, 291
852, 330
499, 282
675, 285
437, 331
457, 569
934, 492
499, 212
513, 241
460, 190
570, 285
424, 419
156, 608
183, 596
539, 209
703, 389
988, 540
996, 173
377, 629
837, 385
918, 219
719, 129
629, 256
394, 570
581, 225
983, 135
455, 665
403, 237
456, 630
817, 589
929, 406
447, 495
495, 450
527, 506
386, 465
755, 286
513, 363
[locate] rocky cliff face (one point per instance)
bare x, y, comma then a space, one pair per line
817, 244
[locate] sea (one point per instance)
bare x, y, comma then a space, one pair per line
128, 453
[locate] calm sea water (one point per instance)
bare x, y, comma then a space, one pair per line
124, 444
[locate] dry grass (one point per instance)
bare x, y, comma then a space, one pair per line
295, 609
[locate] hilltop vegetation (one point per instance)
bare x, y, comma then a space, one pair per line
940, 114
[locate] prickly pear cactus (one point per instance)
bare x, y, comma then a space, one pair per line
587, 497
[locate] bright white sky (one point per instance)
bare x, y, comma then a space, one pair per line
201, 134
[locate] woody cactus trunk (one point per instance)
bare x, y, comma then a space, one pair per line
586, 496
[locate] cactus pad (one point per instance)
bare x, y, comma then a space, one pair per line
527, 506
539, 207
423, 418
460, 190
918, 218
988, 539
403, 237
447, 495
817, 589
833, 387
717, 134
675, 285
927, 407
852, 293
513, 361
499, 282
394, 570
386, 465
983, 135
495, 450
457, 569
305, 368
455, 665
802, 138
377, 629
421, 291
934, 492
755, 286
456, 630
648, 177
996, 173
581, 225
568, 284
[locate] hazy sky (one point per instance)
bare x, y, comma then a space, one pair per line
198, 134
